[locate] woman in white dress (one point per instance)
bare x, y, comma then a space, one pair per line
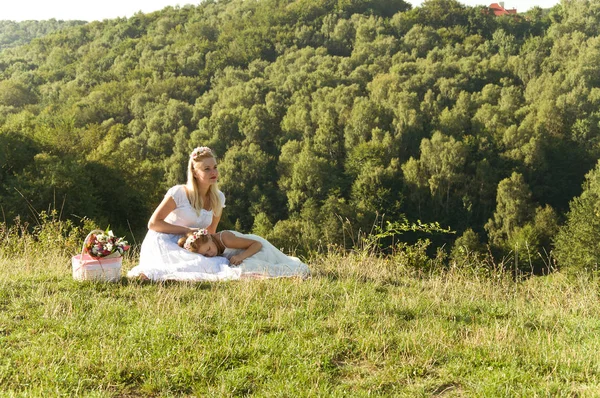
185, 208
255, 256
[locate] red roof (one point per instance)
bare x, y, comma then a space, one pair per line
498, 10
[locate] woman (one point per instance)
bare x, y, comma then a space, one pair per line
185, 208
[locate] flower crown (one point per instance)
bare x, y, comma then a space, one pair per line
192, 238
198, 151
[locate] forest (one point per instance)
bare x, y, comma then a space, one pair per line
13, 34
328, 117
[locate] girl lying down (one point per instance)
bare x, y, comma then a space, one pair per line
255, 256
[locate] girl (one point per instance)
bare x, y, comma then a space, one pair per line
256, 257
185, 208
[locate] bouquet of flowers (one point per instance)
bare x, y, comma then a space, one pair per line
105, 244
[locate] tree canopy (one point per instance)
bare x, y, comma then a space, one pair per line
320, 111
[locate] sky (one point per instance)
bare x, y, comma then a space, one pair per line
21, 10
84, 10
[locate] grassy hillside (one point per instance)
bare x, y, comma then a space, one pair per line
361, 326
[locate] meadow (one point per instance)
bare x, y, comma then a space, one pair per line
362, 325
323, 114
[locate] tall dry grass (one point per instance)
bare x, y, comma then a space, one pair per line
362, 325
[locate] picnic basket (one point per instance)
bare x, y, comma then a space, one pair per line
86, 267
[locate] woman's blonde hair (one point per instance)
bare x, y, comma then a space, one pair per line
193, 191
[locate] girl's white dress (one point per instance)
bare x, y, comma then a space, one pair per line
269, 262
162, 259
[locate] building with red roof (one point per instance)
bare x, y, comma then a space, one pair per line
498, 9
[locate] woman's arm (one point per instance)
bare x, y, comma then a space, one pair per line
231, 241
212, 228
157, 220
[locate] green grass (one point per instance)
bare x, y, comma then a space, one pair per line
359, 327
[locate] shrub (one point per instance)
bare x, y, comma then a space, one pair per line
49, 235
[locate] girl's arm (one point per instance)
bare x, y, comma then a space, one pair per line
157, 220
251, 246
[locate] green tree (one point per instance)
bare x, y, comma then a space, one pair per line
577, 244
15, 94
441, 163
247, 178
513, 209
303, 174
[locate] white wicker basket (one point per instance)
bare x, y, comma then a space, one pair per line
86, 267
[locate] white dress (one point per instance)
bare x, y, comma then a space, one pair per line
162, 259
269, 262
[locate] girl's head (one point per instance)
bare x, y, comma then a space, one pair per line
202, 173
201, 242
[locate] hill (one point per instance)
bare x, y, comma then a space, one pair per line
361, 326
324, 114
13, 34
